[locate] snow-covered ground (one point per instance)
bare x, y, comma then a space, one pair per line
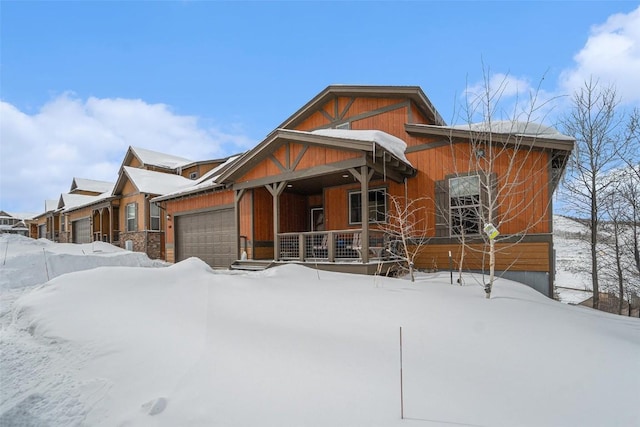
188, 346
573, 260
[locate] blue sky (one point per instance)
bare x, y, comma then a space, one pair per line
207, 79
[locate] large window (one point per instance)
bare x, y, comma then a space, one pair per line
154, 213
464, 204
131, 215
377, 206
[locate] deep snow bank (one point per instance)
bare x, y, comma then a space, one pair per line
187, 345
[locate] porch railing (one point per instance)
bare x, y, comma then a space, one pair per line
330, 246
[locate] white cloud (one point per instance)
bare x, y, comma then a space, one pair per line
504, 97
612, 56
70, 137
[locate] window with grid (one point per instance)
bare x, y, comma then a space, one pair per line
154, 213
377, 206
464, 204
131, 211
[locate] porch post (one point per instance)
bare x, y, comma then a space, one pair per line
276, 189
364, 185
236, 209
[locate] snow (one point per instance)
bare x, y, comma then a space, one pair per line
516, 128
73, 201
91, 185
156, 182
149, 157
392, 144
187, 345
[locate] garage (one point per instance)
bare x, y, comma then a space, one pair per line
207, 235
81, 231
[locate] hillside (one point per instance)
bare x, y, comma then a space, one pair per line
186, 345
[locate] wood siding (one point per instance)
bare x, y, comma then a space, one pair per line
519, 257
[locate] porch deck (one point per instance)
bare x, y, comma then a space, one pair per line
336, 250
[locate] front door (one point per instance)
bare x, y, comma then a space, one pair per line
317, 219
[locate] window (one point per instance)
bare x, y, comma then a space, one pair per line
377, 206
464, 204
193, 175
63, 223
154, 213
131, 214
346, 125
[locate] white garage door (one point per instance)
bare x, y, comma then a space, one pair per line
81, 231
208, 236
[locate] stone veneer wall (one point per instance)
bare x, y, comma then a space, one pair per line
144, 241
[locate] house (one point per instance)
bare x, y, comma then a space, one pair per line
317, 188
45, 224
13, 223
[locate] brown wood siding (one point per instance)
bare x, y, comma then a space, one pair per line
203, 201
417, 117
316, 155
336, 208
391, 122
435, 164
314, 121
246, 215
520, 257
263, 219
294, 216
364, 105
134, 163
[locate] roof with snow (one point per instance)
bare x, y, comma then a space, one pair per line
154, 158
208, 181
518, 128
378, 144
152, 182
92, 185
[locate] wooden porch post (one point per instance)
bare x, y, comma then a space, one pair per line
276, 189
236, 209
364, 185
364, 176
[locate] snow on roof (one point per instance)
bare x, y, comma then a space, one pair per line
20, 215
516, 128
50, 205
156, 182
208, 180
392, 144
91, 185
154, 158
70, 201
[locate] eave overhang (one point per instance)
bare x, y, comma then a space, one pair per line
537, 141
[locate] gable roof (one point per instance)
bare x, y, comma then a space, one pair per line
69, 201
151, 182
378, 143
83, 184
207, 182
154, 158
414, 93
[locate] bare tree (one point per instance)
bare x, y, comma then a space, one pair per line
407, 229
595, 124
499, 176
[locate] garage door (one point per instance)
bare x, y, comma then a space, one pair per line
81, 231
208, 236
42, 231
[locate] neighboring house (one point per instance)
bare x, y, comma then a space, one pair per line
13, 223
45, 224
298, 195
142, 221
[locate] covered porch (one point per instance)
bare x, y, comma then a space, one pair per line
322, 214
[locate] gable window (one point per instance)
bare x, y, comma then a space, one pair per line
154, 213
131, 216
377, 206
193, 175
346, 125
464, 205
